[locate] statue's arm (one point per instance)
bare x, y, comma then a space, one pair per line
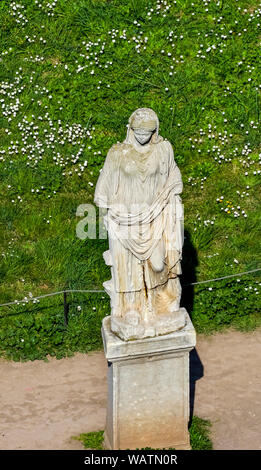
174, 170
107, 181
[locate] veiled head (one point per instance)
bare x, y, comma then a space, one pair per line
143, 126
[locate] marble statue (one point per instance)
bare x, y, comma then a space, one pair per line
139, 187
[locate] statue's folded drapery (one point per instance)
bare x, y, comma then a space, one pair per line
144, 214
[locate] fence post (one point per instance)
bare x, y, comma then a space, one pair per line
66, 309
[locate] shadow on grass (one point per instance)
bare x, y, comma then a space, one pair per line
188, 265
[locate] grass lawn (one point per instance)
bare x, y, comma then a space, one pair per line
71, 74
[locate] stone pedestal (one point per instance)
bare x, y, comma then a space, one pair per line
148, 389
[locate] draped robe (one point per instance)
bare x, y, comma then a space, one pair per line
144, 215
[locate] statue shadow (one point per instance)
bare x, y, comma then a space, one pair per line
188, 265
196, 372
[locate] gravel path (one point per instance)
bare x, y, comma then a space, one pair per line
44, 404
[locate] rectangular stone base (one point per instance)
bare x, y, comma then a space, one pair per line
148, 389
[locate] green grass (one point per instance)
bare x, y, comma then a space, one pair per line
91, 440
71, 74
199, 436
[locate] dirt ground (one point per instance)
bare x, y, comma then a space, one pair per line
44, 404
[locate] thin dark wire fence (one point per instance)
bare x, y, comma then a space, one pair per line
224, 277
65, 291
68, 291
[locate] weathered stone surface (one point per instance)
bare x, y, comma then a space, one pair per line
130, 327
139, 186
148, 389
148, 336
